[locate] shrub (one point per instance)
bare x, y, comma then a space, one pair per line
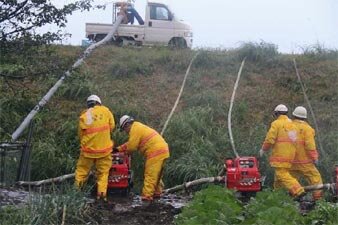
319, 52
214, 205
272, 208
261, 52
324, 213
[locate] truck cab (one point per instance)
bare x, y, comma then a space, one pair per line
160, 27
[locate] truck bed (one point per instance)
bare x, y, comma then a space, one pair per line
136, 31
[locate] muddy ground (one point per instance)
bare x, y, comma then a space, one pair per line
132, 211
119, 210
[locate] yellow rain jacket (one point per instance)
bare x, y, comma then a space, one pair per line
145, 139
306, 153
155, 149
282, 137
96, 145
306, 146
94, 131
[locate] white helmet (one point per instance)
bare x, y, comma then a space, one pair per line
124, 120
94, 98
281, 108
300, 112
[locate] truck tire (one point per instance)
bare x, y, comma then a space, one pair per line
118, 42
177, 42
96, 37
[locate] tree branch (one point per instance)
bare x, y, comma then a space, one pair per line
15, 12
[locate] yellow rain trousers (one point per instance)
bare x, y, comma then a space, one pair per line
282, 137
284, 179
95, 126
155, 150
153, 184
306, 153
102, 165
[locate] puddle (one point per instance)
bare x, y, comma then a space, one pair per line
175, 201
13, 197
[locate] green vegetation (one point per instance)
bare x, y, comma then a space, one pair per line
217, 205
59, 206
214, 205
144, 82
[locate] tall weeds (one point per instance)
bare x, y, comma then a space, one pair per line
144, 83
60, 206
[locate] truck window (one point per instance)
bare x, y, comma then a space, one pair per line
159, 13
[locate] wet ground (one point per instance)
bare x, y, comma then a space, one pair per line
119, 210
11, 196
132, 211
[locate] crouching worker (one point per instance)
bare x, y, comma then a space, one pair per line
155, 150
306, 157
282, 138
95, 126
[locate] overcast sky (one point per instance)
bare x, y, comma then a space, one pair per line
291, 24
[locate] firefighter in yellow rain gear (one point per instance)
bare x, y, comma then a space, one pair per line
306, 156
155, 150
282, 137
95, 126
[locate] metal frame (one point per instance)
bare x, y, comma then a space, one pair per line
23, 147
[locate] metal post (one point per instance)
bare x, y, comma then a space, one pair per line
2, 166
24, 167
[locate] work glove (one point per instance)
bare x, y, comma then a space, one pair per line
115, 150
316, 162
261, 153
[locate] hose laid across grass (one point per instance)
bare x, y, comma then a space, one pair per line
321, 149
230, 109
179, 95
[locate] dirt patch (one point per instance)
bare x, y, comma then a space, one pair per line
131, 211
156, 213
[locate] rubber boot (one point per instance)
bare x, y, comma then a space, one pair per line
146, 200
102, 201
300, 197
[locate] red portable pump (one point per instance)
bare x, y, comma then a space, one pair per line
120, 175
242, 174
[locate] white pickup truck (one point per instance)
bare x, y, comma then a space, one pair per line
160, 27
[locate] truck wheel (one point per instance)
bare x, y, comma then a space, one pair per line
118, 42
99, 37
177, 43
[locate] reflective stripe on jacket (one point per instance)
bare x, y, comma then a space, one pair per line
306, 147
282, 137
145, 139
95, 125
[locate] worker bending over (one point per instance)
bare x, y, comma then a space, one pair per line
306, 156
155, 150
95, 126
282, 137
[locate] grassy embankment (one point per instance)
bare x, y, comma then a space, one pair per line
145, 82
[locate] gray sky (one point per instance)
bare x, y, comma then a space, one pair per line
291, 24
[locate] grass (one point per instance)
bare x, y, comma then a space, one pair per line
60, 206
144, 82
